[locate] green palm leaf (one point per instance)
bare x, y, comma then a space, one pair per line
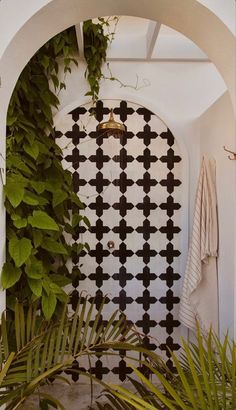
43, 350
205, 378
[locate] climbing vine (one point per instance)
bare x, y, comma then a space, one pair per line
41, 208
97, 37
40, 204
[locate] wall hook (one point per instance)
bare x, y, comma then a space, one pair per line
231, 153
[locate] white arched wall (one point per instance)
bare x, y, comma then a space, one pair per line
215, 128
39, 21
190, 17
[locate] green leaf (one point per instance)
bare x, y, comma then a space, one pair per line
20, 222
55, 81
51, 401
88, 94
34, 268
37, 238
20, 250
30, 198
78, 247
6, 366
41, 220
58, 197
87, 247
56, 289
77, 201
68, 228
60, 280
49, 303
58, 292
14, 192
62, 85
45, 61
46, 284
76, 273
76, 219
11, 120
53, 246
10, 233
16, 162
10, 275
32, 149
36, 286
62, 297
43, 149
11, 302
86, 221
38, 186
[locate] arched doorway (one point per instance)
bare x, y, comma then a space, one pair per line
205, 29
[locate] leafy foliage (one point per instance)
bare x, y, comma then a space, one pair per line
97, 37
205, 379
39, 193
38, 351
40, 203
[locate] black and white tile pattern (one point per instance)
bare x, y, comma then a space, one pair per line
132, 191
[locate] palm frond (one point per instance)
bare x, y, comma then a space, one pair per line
43, 350
205, 378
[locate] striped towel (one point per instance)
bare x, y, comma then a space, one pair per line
199, 298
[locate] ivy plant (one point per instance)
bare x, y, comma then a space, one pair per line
97, 38
41, 208
40, 204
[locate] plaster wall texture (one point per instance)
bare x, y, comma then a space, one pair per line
225, 10
181, 91
216, 127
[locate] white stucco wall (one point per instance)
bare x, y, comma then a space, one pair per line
224, 9
216, 127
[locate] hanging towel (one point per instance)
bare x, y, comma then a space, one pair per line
199, 298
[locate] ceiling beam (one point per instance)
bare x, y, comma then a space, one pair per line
152, 34
80, 38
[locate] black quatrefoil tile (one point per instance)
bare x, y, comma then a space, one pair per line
131, 187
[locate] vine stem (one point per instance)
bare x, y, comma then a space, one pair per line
137, 87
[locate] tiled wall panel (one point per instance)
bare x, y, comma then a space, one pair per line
132, 190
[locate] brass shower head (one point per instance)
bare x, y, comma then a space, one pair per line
111, 126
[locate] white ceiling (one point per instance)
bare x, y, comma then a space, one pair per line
145, 40
179, 72
171, 44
